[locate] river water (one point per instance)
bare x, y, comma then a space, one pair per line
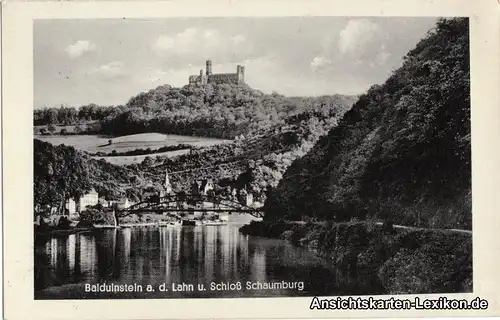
219, 258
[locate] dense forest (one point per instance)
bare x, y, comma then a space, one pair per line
402, 153
221, 111
61, 173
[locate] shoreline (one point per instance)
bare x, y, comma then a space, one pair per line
103, 227
137, 224
89, 229
405, 260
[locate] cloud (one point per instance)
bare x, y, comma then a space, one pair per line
193, 43
363, 43
357, 35
319, 62
183, 41
152, 76
238, 39
264, 73
382, 57
79, 48
113, 69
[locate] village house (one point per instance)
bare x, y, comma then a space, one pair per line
71, 207
243, 197
105, 203
123, 203
201, 187
89, 199
249, 199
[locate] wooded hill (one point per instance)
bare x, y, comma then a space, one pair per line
402, 153
212, 110
255, 161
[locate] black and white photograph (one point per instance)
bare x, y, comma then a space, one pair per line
251, 157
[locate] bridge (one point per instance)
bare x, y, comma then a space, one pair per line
189, 203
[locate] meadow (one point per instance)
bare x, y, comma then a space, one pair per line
95, 143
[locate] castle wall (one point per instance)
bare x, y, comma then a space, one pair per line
198, 79
193, 79
227, 78
218, 78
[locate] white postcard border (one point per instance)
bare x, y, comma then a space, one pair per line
17, 63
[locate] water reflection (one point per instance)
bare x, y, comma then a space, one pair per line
194, 255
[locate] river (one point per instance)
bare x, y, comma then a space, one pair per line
219, 258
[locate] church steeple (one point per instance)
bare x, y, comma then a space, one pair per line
167, 185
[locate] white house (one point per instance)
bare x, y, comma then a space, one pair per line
71, 206
257, 204
104, 202
249, 199
123, 203
89, 199
201, 187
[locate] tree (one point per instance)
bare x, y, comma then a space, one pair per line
64, 132
181, 199
60, 174
51, 115
51, 128
147, 162
78, 129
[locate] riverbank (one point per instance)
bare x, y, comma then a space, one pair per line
49, 232
405, 260
73, 230
139, 224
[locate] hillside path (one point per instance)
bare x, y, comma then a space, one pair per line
396, 226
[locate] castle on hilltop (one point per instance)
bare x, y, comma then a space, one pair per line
218, 78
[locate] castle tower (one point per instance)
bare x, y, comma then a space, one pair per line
202, 79
209, 67
240, 73
167, 185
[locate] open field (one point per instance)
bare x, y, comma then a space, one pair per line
94, 143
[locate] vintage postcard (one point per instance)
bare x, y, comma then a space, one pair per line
252, 159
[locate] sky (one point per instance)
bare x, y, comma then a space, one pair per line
108, 61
